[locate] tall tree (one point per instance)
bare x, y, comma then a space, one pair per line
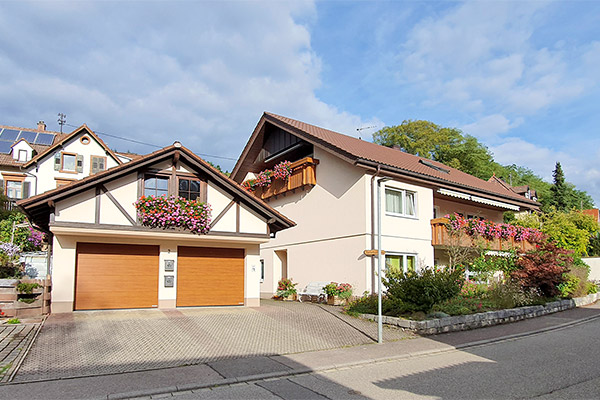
446, 145
559, 189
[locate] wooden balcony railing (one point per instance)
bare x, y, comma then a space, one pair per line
303, 175
440, 237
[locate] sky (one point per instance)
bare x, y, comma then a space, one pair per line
523, 77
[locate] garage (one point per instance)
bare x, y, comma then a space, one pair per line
110, 276
208, 276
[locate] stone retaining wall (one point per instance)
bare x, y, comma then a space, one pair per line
472, 321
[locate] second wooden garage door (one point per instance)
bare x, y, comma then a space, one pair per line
209, 276
116, 276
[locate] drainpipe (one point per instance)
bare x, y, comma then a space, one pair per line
34, 177
373, 225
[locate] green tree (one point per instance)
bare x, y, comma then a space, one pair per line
569, 230
446, 145
559, 189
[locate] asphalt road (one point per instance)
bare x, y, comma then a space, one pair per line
559, 364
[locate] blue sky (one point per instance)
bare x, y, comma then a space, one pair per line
523, 77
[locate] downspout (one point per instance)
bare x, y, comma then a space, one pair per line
373, 226
34, 177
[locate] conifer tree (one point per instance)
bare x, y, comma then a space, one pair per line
559, 189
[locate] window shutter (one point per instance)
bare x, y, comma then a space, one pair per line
2, 188
95, 166
79, 163
26, 186
57, 162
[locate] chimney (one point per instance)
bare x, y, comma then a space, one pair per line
396, 147
41, 126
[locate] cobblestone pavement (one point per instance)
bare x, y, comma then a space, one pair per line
105, 342
14, 340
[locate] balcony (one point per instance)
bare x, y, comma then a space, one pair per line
440, 237
303, 176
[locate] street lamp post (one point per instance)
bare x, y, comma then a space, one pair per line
379, 262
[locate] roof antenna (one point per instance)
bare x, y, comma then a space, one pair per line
363, 128
62, 119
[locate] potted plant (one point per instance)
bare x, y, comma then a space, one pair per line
338, 294
286, 290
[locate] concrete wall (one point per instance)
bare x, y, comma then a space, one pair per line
594, 263
331, 231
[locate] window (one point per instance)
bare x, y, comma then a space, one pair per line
401, 262
156, 186
400, 202
14, 190
68, 162
189, 188
98, 163
22, 155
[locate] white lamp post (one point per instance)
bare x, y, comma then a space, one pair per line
379, 262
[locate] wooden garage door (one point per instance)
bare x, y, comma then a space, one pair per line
209, 276
116, 276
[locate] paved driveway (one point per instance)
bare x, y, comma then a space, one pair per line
107, 342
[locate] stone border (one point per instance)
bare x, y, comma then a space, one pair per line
480, 320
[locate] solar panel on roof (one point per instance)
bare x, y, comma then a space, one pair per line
5, 147
29, 136
44, 138
9, 135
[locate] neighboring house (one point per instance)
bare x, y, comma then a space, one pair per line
102, 258
33, 161
331, 197
594, 213
526, 191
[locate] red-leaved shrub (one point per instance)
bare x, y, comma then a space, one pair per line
543, 268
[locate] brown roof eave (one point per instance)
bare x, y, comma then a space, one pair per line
529, 204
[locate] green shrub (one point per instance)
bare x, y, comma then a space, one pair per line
463, 306
27, 287
503, 295
569, 286
368, 305
591, 288
419, 291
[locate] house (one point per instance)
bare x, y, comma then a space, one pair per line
104, 258
331, 195
33, 161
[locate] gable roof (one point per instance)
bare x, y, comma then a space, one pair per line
371, 155
82, 130
38, 208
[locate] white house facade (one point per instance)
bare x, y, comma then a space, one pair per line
35, 161
331, 195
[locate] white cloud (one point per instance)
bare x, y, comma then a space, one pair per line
201, 73
490, 126
479, 56
579, 164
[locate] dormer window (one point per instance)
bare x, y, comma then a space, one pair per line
23, 155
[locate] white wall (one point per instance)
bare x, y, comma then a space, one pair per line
594, 263
45, 169
64, 253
